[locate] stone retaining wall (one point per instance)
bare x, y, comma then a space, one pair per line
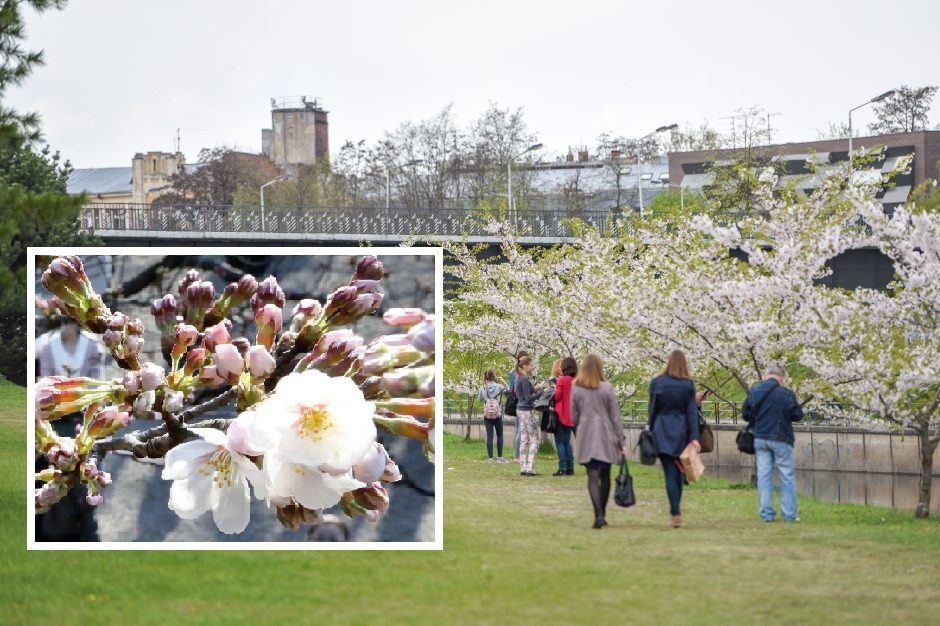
816, 448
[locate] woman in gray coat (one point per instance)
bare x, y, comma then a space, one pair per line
596, 415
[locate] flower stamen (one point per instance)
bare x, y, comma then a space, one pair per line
313, 422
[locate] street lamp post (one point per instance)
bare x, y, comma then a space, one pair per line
639, 173
388, 177
270, 182
883, 96
534, 146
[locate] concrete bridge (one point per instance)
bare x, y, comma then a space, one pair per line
142, 224
193, 225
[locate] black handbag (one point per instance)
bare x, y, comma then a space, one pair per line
745, 438
549, 421
648, 449
510, 408
623, 493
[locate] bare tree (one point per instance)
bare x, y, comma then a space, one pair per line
493, 140
690, 138
904, 112
836, 130
219, 175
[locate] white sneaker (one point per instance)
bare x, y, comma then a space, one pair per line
502, 460
490, 460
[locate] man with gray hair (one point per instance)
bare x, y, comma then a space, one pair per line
771, 409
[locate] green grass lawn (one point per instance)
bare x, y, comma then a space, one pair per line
517, 550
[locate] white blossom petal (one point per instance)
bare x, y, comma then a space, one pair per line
183, 460
189, 497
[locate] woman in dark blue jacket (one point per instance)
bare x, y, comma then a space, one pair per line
673, 419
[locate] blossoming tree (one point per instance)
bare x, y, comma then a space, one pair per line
309, 394
738, 292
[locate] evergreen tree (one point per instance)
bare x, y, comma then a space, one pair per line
34, 207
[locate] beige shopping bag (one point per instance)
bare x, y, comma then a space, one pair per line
692, 463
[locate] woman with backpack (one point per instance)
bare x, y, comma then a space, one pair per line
564, 427
491, 394
594, 411
673, 420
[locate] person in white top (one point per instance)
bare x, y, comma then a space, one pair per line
69, 352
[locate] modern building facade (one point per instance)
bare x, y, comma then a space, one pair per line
689, 170
856, 268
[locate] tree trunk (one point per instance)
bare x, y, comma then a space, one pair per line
926, 470
469, 418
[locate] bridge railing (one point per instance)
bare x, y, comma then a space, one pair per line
352, 221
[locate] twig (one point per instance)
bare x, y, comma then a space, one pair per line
155, 442
216, 402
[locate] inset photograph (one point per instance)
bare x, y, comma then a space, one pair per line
271, 398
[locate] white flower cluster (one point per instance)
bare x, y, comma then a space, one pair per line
308, 443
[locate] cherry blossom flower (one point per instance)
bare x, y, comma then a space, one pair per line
314, 420
209, 473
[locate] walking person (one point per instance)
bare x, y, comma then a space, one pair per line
564, 428
601, 441
517, 437
771, 409
491, 394
528, 423
673, 420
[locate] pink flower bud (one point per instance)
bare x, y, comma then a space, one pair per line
188, 279
392, 474
229, 362
369, 268
133, 344
268, 320
94, 499
422, 335
246, 287
108, 421
112, 339
143, 405
117, 321
131, 382
173, 401
308, 307
195, 359
268, 292
404, 317
186, 334
365, 286
135, 327
242, 344
63, 455
372, 465
260, 362
217, 335
48, 494
151, 376
209, 376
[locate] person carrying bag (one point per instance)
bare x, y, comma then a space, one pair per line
492, 389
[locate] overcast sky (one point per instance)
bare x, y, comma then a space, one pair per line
122, 75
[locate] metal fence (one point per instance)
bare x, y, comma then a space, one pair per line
358, 222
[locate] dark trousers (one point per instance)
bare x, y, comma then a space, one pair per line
674, 480
491, 425
563, 444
